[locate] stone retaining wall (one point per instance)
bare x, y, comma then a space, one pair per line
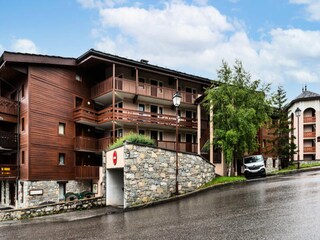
25, 213
272, 164
150, 173
50, 191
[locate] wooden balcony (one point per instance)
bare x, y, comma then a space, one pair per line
86, 172
309, 149
130, 86
8, 106
8, 140
309, 134
91, 144
86, 144
128, 115
183, 146
309, 119
8, 172
103, 143
85, 115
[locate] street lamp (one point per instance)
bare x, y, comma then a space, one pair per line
298, 114
176, 99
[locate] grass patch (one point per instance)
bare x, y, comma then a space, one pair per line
316, 164
133, 138
220, 180
294, 167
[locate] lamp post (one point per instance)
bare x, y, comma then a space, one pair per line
176, 102
298, 114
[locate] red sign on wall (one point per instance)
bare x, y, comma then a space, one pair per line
114, 158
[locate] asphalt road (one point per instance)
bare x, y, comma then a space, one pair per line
276, 208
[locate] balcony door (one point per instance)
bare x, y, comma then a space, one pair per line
155, 111
156, 135
189, 142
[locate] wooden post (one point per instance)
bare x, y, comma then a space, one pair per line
113, 101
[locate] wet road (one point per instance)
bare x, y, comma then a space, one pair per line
278, 208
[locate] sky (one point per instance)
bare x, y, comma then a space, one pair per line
278, 41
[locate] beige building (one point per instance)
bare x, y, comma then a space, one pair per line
304, 112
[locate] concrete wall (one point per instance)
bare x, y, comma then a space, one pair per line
114, 187
150, 173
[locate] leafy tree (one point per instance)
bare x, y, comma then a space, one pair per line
282, 145
240, 108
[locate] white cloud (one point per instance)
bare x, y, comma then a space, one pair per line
195, 39
100, 3
312, 8
24, 45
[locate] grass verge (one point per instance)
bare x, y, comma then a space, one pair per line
294, 167
220, 180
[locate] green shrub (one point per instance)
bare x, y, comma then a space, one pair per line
133, 138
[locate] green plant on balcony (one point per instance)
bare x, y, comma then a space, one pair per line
133, 138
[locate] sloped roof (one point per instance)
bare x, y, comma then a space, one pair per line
306, 95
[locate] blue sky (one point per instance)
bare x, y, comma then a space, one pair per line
277, 41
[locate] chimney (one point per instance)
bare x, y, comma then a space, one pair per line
144, 61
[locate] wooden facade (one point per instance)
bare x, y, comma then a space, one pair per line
64, 112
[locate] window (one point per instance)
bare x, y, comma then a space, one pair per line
79, 102
22, 124
141, 132
22, 157
78, 78
62, 158
194, 138
118, 133
141, 107
62, 128
22, 91
160, 84
160, 136
141, 83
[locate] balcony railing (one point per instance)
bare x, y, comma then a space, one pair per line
8, 140
309, 134
8, 106
87, 172
183, 146
8, 172
130, 86
309, 149
91, 144
309, 119
86, 143
103, 143
128, 115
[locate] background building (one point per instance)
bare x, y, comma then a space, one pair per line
306, 130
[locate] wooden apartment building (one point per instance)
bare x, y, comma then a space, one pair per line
58, 115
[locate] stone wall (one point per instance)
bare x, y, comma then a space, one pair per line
303, 162
50, 191
272, 164
150, 173
56, 208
